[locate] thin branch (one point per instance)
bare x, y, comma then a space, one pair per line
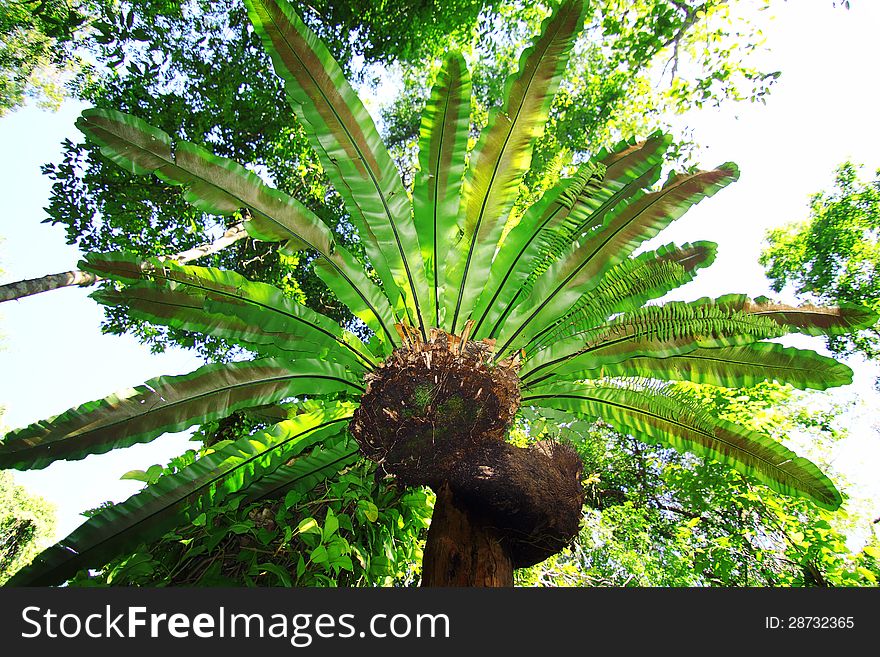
690, 19
26, 288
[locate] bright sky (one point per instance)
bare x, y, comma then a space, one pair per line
55, 356
822, 111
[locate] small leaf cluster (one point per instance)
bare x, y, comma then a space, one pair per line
833, 256
27, 522
356, 530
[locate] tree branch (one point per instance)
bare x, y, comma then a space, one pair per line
691, 14
26, 288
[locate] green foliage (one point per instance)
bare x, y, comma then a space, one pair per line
389, 32
168, 404
27, 524
655, 517
42, 42
356, 530
584, 233
833, 256
214, 75
37, 49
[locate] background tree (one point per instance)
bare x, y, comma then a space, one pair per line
654, 517
834, 255
27, 525
38, 48
44, 44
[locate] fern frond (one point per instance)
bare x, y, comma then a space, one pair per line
673, 328
628, 286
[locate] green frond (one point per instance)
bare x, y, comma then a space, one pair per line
181, 307
807, 319
660, 331
529, 247
503, 155
735, 367
351, 151
307, 470
167, 404
562, 216
658, 415
229, 294
181, 496
443, 140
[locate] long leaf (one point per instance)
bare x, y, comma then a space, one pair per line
229, 293
220, 186
504, 154
167, 404
733, 367
443, 140
182, 308
180, 496
348, 144
367, 302
662, 417
581, 270
563, 215
660, 331
678, 328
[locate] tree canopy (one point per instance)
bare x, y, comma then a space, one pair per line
27, 525
33, 57
834, 255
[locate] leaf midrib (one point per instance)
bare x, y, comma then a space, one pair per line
712, 436
157, 406
381, 194
191, 491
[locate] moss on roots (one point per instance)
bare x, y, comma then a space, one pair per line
437, 412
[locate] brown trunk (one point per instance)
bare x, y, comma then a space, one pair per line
462, 550
21, 289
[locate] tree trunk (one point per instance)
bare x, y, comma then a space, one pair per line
21, 289
462, 550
